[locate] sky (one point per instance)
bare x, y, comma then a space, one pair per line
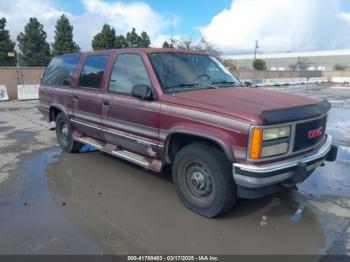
232, 26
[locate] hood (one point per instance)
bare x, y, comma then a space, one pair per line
247, 104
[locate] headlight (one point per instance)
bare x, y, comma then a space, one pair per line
274, 150
266, 142
276, 132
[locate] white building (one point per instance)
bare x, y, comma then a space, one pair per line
311, 60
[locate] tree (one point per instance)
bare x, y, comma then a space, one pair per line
34, 50
259, 64
229, 64
301, 64
143, 40
183, 43
120, 42
63, 42
205, 45
106, 39
132, 38
166, 45
293, 67
201, 45
6, 46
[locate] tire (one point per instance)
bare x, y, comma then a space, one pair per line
64, 135
200, 162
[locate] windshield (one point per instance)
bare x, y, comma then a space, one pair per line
178, 72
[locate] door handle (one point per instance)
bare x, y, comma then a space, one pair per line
75, 97
105, 102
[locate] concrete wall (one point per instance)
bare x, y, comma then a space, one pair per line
331, 74
12, 76
249, 74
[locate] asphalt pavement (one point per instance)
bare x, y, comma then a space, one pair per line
52, 202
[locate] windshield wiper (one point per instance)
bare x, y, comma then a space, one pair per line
224, 82
212, 87
181, 85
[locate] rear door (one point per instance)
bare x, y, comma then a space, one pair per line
130, 122
88, 96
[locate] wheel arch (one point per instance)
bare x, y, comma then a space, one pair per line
54, 110
179, 138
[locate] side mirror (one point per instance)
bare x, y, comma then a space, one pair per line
142, 92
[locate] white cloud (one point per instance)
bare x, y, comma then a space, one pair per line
280, 26
122, 16
345, 17
159, 40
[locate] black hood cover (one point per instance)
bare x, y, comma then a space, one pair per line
291, 114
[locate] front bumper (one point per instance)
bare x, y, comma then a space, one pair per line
295, 170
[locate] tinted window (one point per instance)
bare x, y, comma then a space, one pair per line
60, 70
92, 72
128, 70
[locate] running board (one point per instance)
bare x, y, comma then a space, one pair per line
149, 163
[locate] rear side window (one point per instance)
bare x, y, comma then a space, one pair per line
93, 70
60, 70
128, 71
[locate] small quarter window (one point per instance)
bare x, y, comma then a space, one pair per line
128, 70
93, 70
60, 70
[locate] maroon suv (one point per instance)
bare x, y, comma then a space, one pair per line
159, 107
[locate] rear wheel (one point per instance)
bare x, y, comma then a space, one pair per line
203, 179
64, 135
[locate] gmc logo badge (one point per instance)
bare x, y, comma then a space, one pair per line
315, 133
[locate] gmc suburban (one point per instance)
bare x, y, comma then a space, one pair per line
162, 107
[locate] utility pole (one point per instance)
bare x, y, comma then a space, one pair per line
256, 48
255, 52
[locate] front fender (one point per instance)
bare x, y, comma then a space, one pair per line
227, 140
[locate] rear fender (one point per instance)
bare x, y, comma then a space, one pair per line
65, 112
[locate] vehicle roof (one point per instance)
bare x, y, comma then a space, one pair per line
144, 50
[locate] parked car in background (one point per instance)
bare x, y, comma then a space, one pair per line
161, 107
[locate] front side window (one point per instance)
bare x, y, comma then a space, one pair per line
128, 71
60, 70
179, 72
93, 70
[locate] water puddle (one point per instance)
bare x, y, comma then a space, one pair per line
6, 128
331, 180
31, 222
338, 125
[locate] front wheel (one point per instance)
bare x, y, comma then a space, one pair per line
203, 180
64, 135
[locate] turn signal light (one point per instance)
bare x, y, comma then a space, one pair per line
256, 143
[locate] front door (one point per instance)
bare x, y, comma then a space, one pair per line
88, 97
129, 122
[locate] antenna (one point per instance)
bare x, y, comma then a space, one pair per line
172, 27
172, 54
